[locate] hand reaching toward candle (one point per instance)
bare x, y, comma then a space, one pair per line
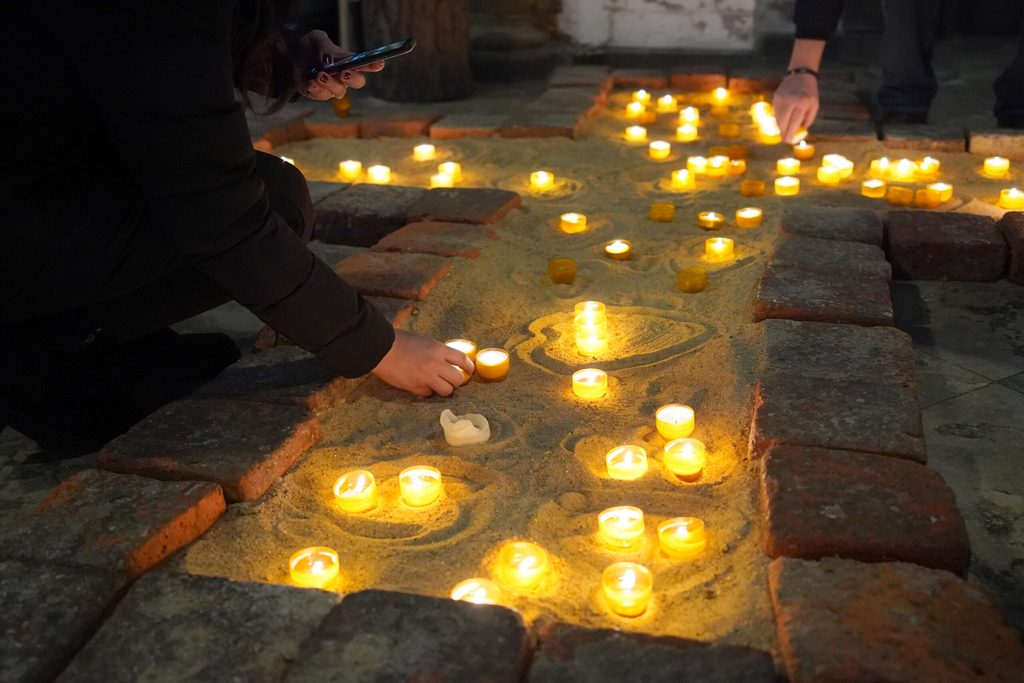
796, 104
423, 366
314, 49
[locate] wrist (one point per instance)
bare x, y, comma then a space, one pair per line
802, 71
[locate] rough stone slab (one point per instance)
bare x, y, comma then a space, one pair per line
177, 627
1003, 142
869, 417
833, 255
397, 125
823, 296
476, 205
390, 274
1012, 227
383, 636
319, 191
443, 239
698, 78
363, 214
395, 311
853, 225
926, 245
818, 502
925, 138
242, 445
841, 620
581, 101
49, 612
580, 74
569, 653
540, 124
640, 78
113, 522
833, 130
754, 80
839, 353
468, 125
324, 123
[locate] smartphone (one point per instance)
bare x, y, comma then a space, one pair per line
377, 54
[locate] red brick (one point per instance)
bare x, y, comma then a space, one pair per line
925, 245
866, 416
443, 239
1012, 227
698, 78
413, 638
834, 255
113, 521
580, 74
925, 138
754, 80
542, 124
397, 126
361, 215
401, 276
468, 125
853, 225
463, 205
1003, 142
242, 445
841, 620
640, 78
823, 296
818, 502
834, 130
581, 101
570, 653
395, 311
324, 123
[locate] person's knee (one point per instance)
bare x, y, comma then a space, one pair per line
289, 193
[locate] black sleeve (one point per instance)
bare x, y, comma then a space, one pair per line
160, 75
817, 19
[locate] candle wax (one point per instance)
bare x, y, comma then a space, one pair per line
590, 383
674, 420
627, 588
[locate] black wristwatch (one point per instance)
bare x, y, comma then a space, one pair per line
803, 70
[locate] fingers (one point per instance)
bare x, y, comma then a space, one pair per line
452, 375
458, 358
352, 79
441, 386
811, 115
372, 67
333, 84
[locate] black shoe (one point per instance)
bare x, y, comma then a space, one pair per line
1010, 121
915, 117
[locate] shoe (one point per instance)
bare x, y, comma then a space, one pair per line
1010, 121
906, 117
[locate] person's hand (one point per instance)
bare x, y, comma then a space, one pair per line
316, 48
796, 104
423, 366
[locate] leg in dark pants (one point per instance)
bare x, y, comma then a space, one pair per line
908, 85
1009, 89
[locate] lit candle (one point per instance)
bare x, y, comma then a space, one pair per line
288, 160
619, 250
770, 134
350, 170
686, 132
441, 180
760, 110
424, 152
749, 217
662, 212
572, 223
626, 463
1012, 199
591, 323
685, 458
683, 179
752, 187
840, 162
690, 115
787, 186
729, 130
627, 588
787, 166
996, 167
737, 167
682, 538
381, 175
692, 280
943, 192
313, 567
667, 104
830, 175
659, 149
635, 110
647, 118
636, 134
492, 364
642, 96
928, 168
696, 165
902, 171
620, 527
800, 135
542, 180
717, 166
879, 168
720, 96
477, 591
900, 196
719, 249
923, 199
464, 345
873, 188
674, 420
710, 220
356, 491
452, 169
562, 271
522, 564
590, 383
420, 485
803, 150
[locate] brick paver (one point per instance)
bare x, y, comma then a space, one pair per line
114, 522
580, 74
818, 502
176, 627
319, 191
823, 296
925, 138
841, 620
396, 125
702, 78
463, 205
1012, 227
542, 124
363, 214
640, 78
756, 80
924, 245
1003, 142
384, 636
836, 255
242, 445
853, 225
391, 274
467, 125
835, 130
443, 239
582, 101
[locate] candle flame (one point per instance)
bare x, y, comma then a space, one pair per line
627, 580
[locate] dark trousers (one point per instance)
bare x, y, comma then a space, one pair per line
908, 42
115, 276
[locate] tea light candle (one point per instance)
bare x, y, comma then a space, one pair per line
683, 179
492, 364
636, 134
1011, 199
943, 192
424, 152
696, 165
667, 104
313, 567
542, 180
927, 168
788, 166
659, 149
350, 170
522, 564
441, 180
873, 188
749, 217
356, 491
287, 160
381, 175
720, 96
729, 130
685, 458
635, 110
647, 118
879, 168
619, 250
686, 132
626, 463
682, 538
900, 196
620, 527
464, 345
840, 162
477, 591
830, 175
902, 171
642, 96
590, 383
562, 271
591, 324
420, 485
752, 188
710, 220
996, 167
736, 167
803, 150
770, 135
662, 212
923, 199
760, 110
627, 588
717, 166
690, 115
787, 186
572, 223
719, 249
453, 169
692, 280
674, 420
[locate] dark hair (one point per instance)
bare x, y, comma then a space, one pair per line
261, 59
